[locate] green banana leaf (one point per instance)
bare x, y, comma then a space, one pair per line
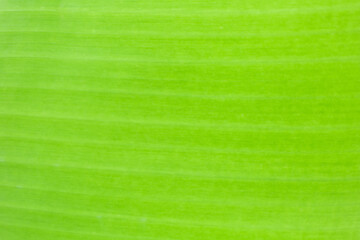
180, 120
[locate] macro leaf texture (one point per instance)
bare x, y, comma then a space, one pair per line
180, 120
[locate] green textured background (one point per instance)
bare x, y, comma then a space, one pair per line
180, 120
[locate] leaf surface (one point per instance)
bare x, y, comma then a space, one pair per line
180, 120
